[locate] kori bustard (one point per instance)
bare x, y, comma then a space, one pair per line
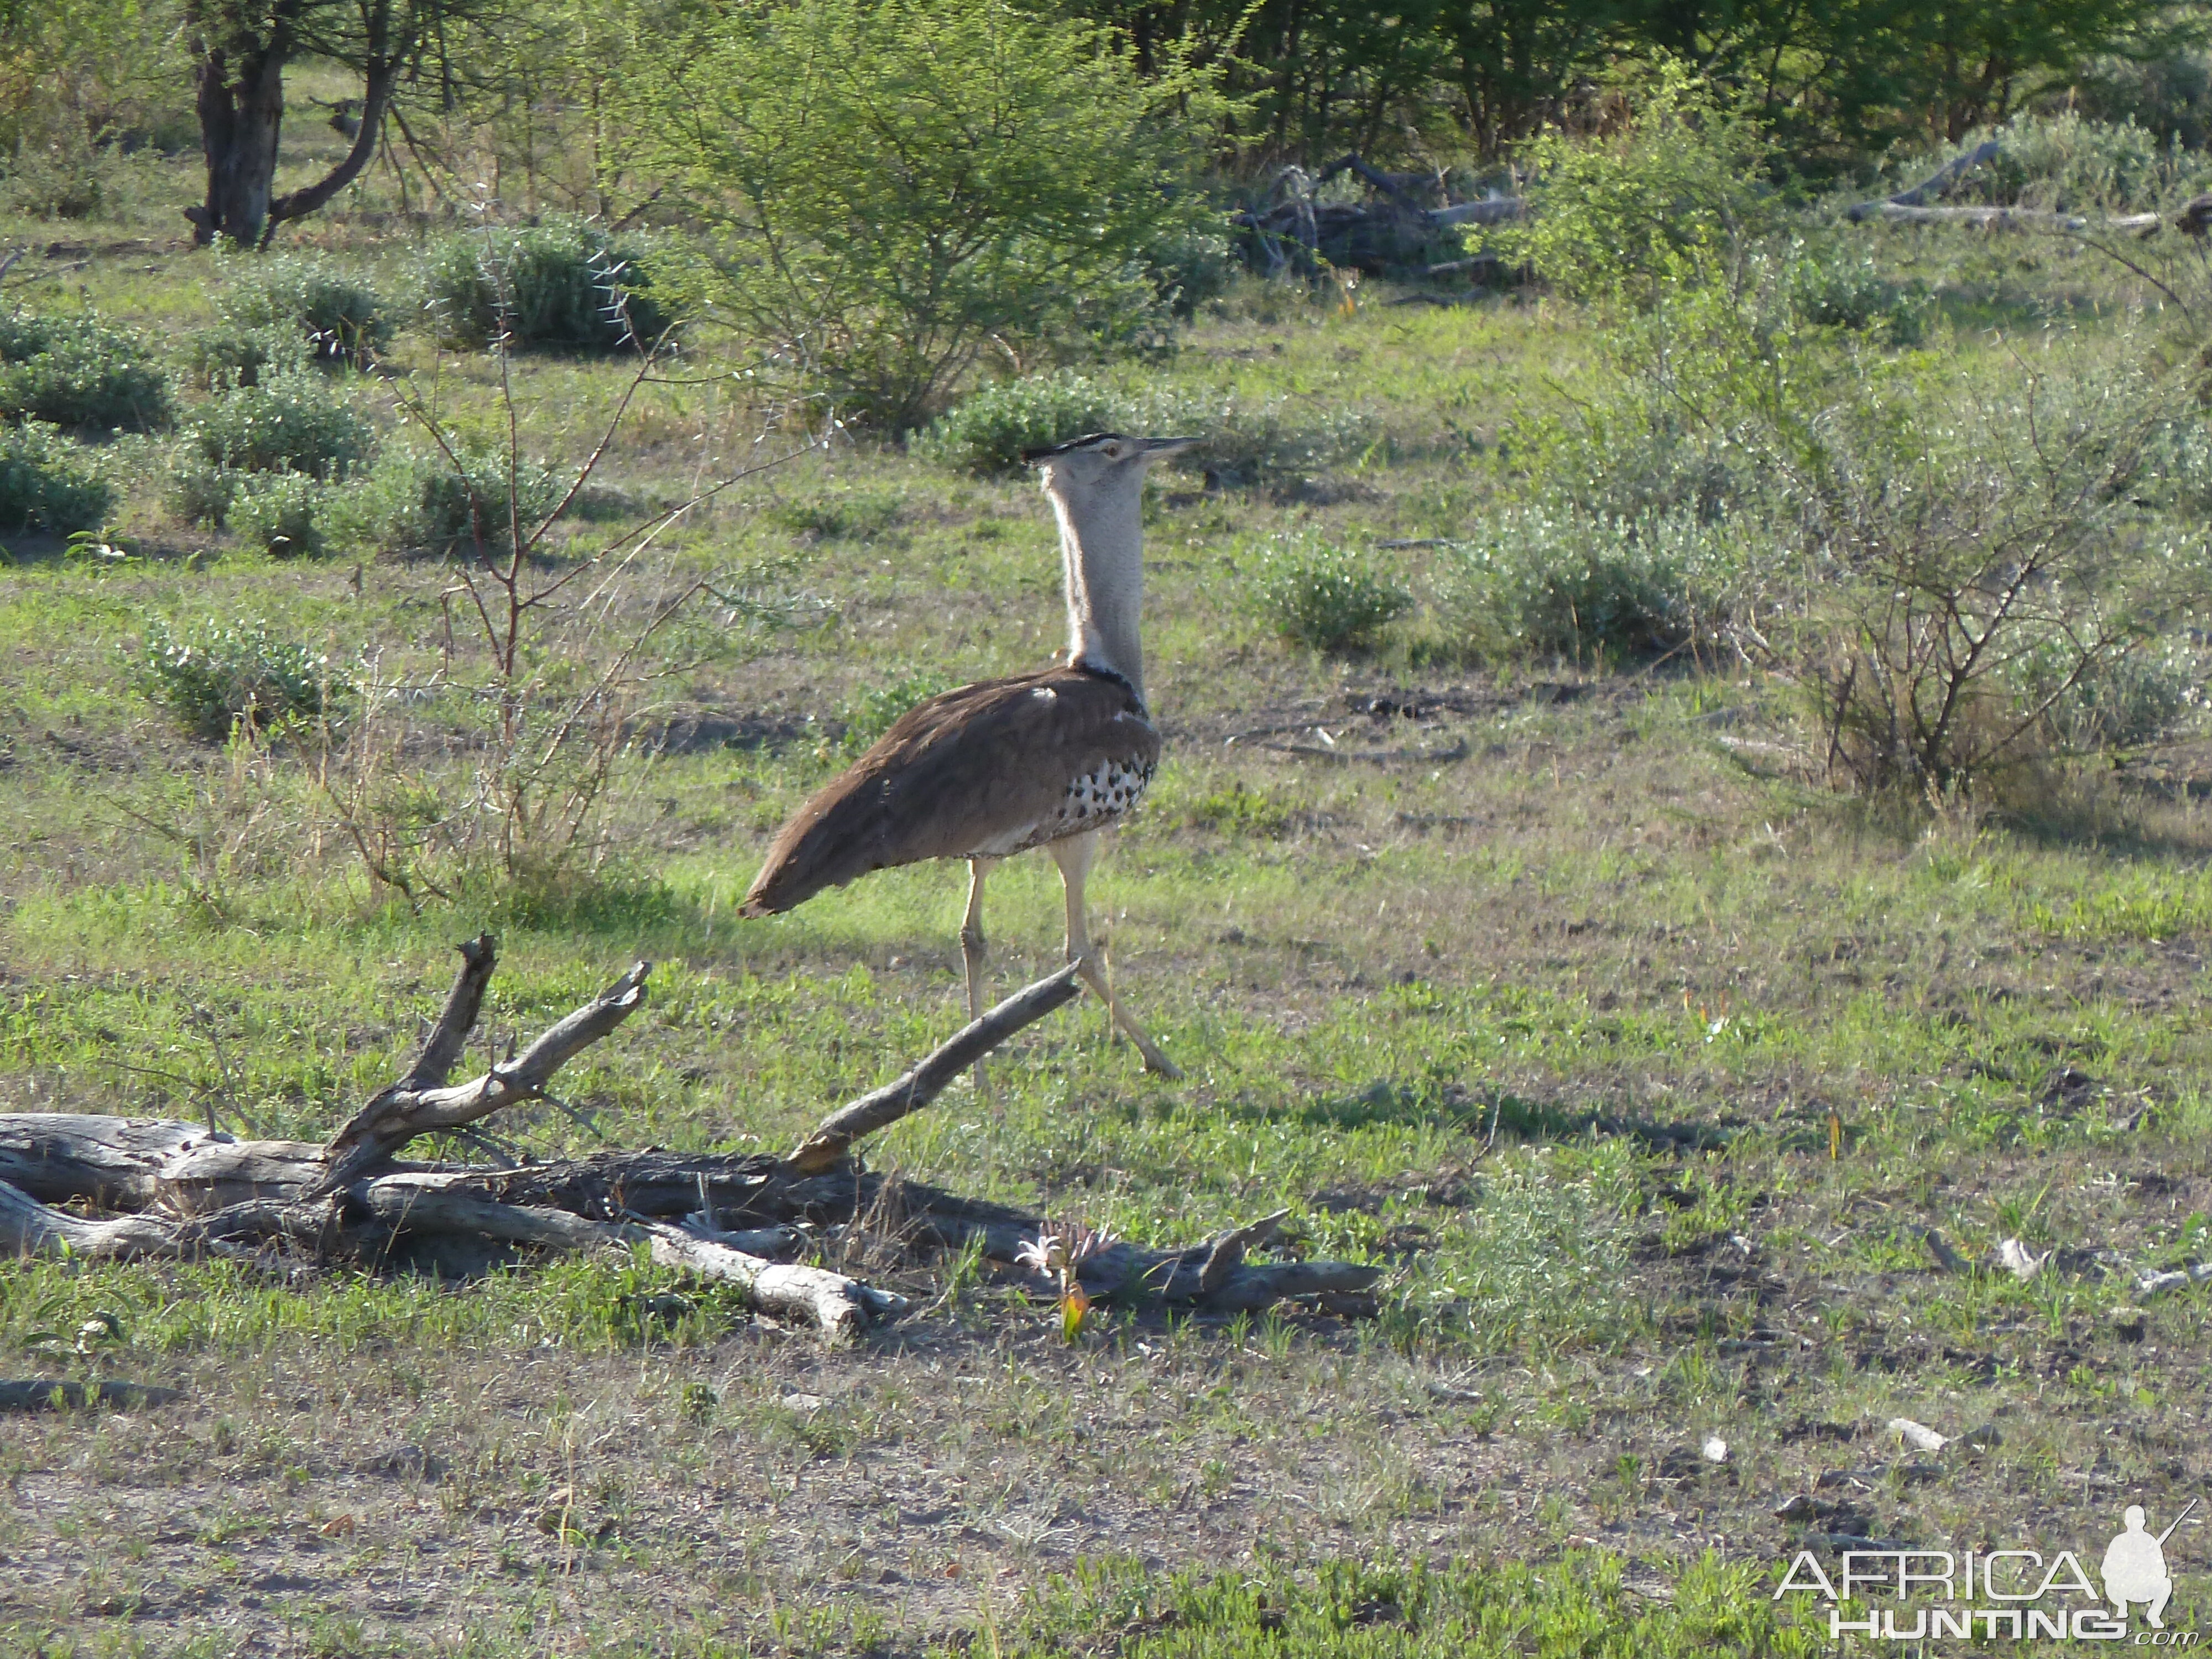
1047, 759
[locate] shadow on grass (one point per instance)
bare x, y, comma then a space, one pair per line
1503, 1116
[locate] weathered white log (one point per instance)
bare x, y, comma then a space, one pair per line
115, 1162
1935, 183
431, 1204
202, 1180
30, 1228
435, 1203
2010, 218
1497, 211
347, 1201
2158, 1284
839, 1306
771, 1242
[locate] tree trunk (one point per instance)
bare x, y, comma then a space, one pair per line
241, 109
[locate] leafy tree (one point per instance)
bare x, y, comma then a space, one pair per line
1514, 62
240, 50
895, 189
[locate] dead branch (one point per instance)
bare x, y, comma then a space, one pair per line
115, 1162
1910, 207
1393, 228
736, 1219
887, 1105
420, 1104
30, 1228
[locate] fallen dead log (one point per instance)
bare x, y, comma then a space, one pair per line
30, 1228
1910, 207
114, 1162
420, 1103
184, 1190
2011, 218
1393, 229
1935, 184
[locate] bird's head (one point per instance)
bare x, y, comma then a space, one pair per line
1100, 462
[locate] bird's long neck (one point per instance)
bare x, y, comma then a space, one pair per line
1102, 545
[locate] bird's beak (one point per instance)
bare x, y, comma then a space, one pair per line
1155, 447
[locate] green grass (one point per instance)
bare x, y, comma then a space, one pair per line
1641, 1069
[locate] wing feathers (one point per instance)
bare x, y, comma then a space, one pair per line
956, 773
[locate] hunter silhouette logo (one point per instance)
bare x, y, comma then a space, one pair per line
1983, 1595
2135, 1566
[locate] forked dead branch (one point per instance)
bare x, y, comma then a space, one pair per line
142, 1188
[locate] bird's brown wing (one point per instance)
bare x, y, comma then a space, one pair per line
958, 775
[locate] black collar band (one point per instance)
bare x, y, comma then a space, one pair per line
1100, 671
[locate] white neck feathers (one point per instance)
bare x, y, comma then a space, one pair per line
1102, 545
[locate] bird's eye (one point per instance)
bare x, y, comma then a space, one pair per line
1113, 451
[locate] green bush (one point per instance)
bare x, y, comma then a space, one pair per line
2068, 162
1545, 582
418, 502
59, 171
988, 430
219, 679
1326, 597
563, 285
339, 318
1190, 265
281, 512
2116, 703
220, 357
1673, 197
1250, 441
47, 482
284, 423
874, 711
195, 491
1831, 287
894, 191
78, 372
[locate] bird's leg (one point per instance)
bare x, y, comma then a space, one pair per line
1074, 856
971, 951
971, 935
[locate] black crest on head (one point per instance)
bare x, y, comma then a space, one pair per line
1032, 456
